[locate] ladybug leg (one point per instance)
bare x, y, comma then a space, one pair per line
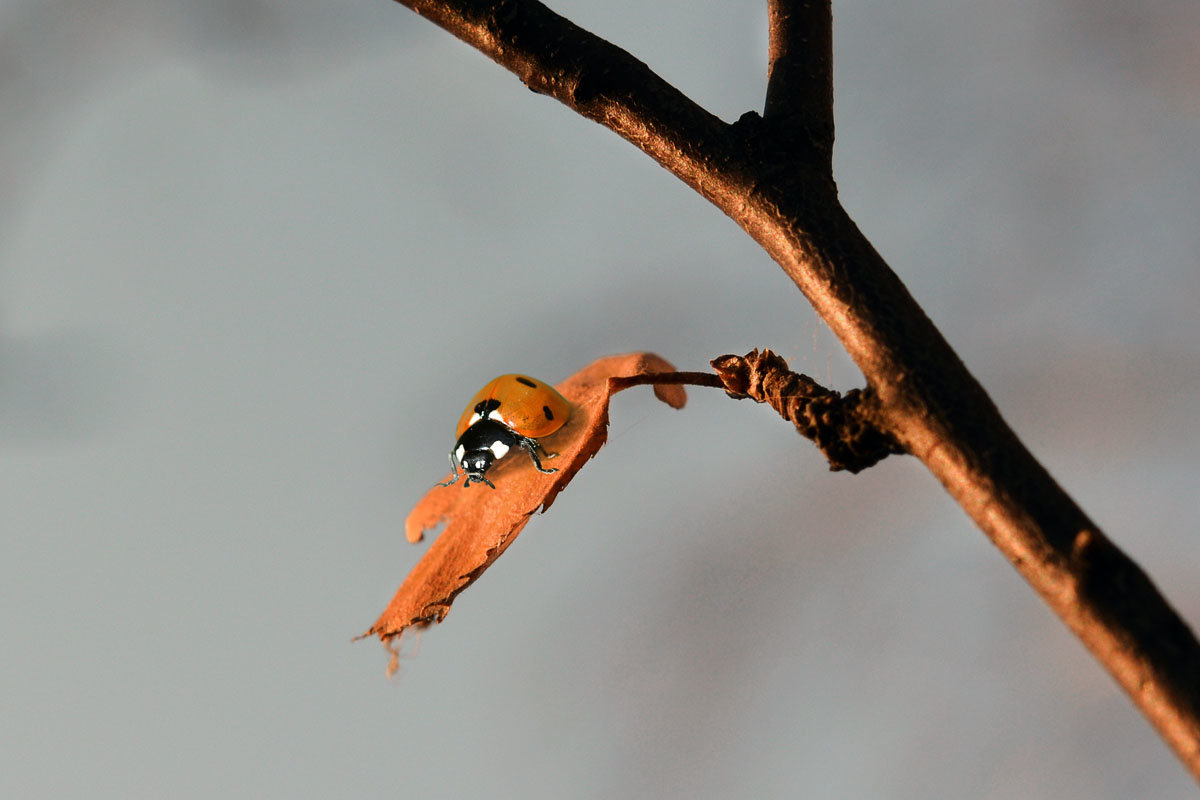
531, 447
454, 472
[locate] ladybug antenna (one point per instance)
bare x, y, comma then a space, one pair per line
478, 479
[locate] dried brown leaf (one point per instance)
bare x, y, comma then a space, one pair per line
482, 523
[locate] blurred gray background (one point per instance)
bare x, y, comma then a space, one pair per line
256, 255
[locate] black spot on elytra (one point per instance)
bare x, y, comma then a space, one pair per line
485, 407
527, 382
549, 414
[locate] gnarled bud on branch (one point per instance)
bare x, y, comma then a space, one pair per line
842, 426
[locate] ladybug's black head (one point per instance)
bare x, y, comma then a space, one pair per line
474, 464
478, 448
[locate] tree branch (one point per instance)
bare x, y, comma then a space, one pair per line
925, 398
800, 73
553, 56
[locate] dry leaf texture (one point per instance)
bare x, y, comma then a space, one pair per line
482, 522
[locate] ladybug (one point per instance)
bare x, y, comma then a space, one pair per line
510, 411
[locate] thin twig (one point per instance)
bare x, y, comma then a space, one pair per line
676, 378
844, 427
927, 400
